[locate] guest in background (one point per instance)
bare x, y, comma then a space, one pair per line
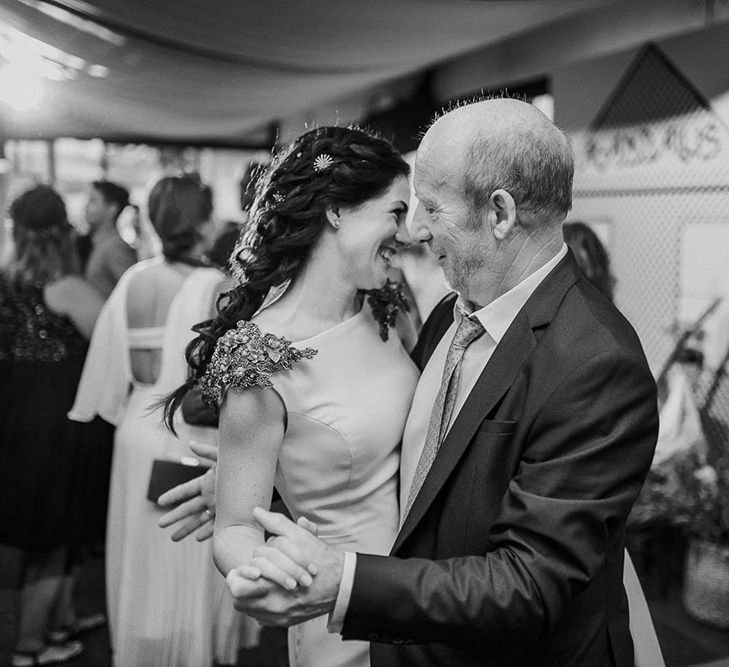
591, 256
594, 262
110, 255
167, 605
48, 312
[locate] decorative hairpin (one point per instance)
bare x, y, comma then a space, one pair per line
278, 197
323, 162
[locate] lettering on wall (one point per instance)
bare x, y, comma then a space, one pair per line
686, 140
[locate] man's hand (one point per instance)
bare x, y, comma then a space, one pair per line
194, 500
257, 587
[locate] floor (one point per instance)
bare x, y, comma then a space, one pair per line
685, 642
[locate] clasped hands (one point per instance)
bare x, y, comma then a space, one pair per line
290, 579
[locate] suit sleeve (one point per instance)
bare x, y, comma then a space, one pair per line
586, 455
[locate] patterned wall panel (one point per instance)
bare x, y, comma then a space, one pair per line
654, 162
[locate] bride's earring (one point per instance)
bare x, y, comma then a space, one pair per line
334, 219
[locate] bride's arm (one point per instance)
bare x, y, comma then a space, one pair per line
251, 433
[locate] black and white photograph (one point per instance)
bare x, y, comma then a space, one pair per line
364, 334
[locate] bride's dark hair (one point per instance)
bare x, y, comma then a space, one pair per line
325, 168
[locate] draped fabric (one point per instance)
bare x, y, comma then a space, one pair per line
222, 72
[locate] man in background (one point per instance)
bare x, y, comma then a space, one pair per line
110, 255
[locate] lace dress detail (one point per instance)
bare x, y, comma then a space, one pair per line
246, 357
31, 331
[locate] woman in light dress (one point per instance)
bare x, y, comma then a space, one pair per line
323, 231
167, 605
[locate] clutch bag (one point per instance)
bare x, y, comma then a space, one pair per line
167, 474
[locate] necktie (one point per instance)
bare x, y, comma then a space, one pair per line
467, 331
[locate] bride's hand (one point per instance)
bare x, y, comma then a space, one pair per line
271, 563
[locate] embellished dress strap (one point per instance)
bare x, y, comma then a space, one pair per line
246, 357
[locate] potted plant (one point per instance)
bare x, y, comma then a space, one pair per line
691, 492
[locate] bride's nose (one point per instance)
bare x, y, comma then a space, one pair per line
402, 235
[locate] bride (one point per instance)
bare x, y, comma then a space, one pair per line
324, 229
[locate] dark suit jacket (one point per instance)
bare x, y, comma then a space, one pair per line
512, 553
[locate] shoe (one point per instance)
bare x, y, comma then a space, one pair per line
53, 654
79, 626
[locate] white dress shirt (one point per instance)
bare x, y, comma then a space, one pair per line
496, 318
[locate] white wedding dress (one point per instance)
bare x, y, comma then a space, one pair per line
339, 460
168, 606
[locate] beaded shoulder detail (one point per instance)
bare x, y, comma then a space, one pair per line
247, 357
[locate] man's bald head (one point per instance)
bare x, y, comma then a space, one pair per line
508, 144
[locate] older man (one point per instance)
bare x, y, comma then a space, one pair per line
532, 428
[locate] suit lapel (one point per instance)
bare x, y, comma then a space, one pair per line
494, 381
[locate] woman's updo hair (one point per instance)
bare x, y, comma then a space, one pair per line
325, 168
43, 237
178, 206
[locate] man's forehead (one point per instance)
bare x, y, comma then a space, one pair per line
434, 168
430, 177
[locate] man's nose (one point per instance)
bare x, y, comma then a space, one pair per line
419, 231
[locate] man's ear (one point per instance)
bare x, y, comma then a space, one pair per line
503, 210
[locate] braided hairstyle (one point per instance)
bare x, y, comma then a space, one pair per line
287, 218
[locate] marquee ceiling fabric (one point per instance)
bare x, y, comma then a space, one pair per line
221, 72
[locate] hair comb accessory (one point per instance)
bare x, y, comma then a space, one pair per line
322, 163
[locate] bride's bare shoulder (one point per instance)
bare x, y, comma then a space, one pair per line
277, 321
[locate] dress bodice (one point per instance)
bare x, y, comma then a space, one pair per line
31, 331
346, 409
346, 394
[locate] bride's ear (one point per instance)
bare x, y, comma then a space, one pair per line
333, 218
